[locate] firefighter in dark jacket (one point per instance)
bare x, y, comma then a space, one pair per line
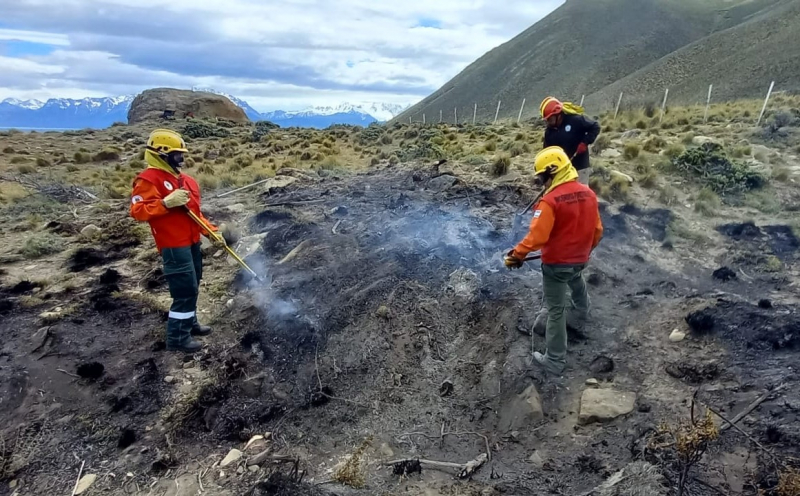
569, 129
161, 194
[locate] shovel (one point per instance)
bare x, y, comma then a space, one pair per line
230, 251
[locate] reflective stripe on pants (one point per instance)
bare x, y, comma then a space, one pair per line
183, 268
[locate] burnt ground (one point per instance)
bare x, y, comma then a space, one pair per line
393, 325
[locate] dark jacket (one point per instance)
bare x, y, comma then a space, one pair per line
574, 130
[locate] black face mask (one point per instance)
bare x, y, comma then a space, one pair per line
175, 160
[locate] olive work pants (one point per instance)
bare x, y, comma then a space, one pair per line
557, 281
183, 269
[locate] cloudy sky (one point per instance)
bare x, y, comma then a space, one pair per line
276, 54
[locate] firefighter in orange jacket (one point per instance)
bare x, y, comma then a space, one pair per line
566, 227
161, 196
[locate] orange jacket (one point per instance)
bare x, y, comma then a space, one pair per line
566, 226
171, 228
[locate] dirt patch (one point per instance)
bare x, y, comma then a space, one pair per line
777, 239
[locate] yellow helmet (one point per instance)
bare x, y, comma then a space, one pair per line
164, 141
160, 147
550, 161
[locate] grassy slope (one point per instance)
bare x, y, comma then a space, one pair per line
578, 49
762, 49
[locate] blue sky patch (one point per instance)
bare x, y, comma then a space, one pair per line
429, 22
16, 48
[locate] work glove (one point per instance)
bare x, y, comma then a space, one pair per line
512, 262
177, 198
230, 234
217, 238
582, 148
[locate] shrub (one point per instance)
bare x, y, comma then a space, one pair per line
716, 172
501, 165
201, 129
687, 138
393, 160
668, 195
329, 163
490, 146
110, 153
649, 179
601, 143
42, 162
519, 137
374, 161
42, 244
26, 169
517, 150
243, 161
19, 160
208, 182
619, 189
674, 150
650, 110
631, 151
599, 186
306, 155
781, 174
81, 158
641, 125
654, 144
73, 168
7, 150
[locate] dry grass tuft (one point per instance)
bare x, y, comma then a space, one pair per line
501, 165
352, 473
631, 151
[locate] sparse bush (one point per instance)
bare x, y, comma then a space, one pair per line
43, 162
329, 163
641, 125
81, 158
200, 129
374, 161
19, 160
393, 160
244, 161
119, 124
599, 186
519, 137
619, 189
781, 174
601, 143
650, 110
26, 169
649, 179
106, 154
742, 151
654, 144
42, 244
8, 150
208, 182
501, 165
687, 138
674, 150
668, 195
306, 155
631, 151
189, 163
516, 150
490, 146
475, 160
73, 168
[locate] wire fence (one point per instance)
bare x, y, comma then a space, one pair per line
470, 115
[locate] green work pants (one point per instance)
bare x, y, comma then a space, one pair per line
183, 269
557, 281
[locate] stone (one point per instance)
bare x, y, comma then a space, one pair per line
676, 336
189, 365
610, 153
522, 411
206, 246
278, 183
382, 312
442, 182
49, 317
169, 379
232, 456
340, 210
85, 483
253, 468
236, 208
90, 231
247, 246
39, 338
386, 451
621, 175
12, 484
536, 460
592, 382
630, 134
702, 140
600, 405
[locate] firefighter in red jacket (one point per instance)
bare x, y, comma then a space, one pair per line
161, 195
566, 227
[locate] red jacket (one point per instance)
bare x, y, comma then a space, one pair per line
172, 228
566, 226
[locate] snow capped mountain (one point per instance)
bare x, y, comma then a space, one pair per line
67, 113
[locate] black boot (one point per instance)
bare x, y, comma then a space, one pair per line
200, 330
188, 346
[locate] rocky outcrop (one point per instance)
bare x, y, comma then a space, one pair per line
152, 104
602, 405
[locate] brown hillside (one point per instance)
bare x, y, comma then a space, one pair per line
151, 104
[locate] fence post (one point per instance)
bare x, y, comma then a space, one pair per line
708, 102
519, 117
440, 115
497, 113
474, 113
582, 97
766, 100
664, 105
409, 120
423, 119
616, 111
455, 114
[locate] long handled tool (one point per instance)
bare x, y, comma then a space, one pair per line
230, 251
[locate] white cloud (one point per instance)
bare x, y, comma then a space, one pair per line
285, 54
33, 37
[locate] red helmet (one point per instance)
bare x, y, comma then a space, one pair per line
550, 107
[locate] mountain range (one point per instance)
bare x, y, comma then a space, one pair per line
601, 48
65, 113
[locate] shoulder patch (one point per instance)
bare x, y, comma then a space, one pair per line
136, 199
568, 128
168, 185
537, 214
